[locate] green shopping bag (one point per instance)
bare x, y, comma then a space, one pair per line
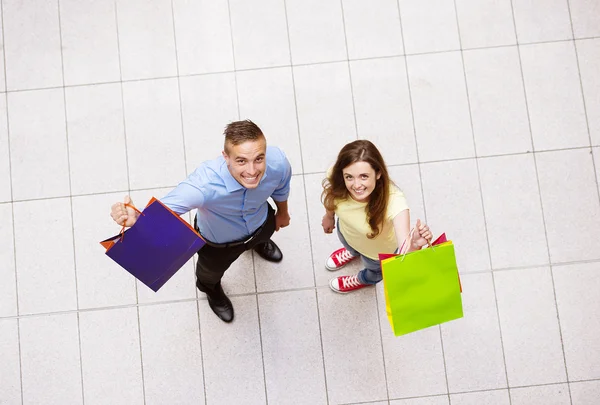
422, 288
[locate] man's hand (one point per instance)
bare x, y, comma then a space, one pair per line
282, 219
328, 223
122, 215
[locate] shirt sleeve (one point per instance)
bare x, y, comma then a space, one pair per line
187, 195
282, 192
397, 203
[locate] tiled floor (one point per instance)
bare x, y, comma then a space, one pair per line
495, 143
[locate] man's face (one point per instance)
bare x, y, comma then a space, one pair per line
247, 161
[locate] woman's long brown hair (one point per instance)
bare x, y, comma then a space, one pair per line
334, 188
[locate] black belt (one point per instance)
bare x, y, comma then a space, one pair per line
230, 244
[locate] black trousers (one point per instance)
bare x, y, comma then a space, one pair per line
214, 261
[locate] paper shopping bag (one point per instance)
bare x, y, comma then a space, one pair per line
156, 246
422, 288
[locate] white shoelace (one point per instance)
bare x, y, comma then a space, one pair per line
344, 256
350, 281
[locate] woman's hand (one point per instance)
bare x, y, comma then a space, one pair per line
328, 223
421, 236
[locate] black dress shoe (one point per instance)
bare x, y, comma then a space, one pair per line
269, 251
220, 304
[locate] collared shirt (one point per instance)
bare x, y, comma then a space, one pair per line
227, 211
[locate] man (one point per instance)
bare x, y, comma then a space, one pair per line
230, 194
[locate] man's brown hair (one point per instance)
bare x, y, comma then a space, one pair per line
238, 132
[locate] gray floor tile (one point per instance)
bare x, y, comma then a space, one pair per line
568, 197
292, 348
485, 23
268, 98
95, 130
554, 96
576, 286
585, 16
453, 204
228, 381
90, 43
482, 368
429, 29
435, 400
513, 224
34, 112
296, 268
5, 181
497, 101
540, 20
351, 346
259, 34
46, 285
110, 357
542, 395
316, 31
146, 39
585, 393
383, 110
499, 397
372, 29
32, 38
440, 106
325, 113
50, 362
208, 104
10, 368
588, 52
203, 35
152, 110
530, 330
414, 363
8, 288
171, 354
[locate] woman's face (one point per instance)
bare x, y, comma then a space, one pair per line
360, 179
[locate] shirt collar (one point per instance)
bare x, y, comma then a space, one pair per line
232, 184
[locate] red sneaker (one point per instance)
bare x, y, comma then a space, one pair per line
345, 284
339, 259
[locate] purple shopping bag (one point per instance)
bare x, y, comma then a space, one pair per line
156, 246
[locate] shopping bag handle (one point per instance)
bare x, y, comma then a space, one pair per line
123, 229
409, 237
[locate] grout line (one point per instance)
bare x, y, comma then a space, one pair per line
298, 65
587, 121
324, 286
235, 70
306, 205
129, 190
201, 350
66, 117
478, 172
262, 351
12, 208
188, 213
385, 377
179, 91
539, 189
349, 69
308, 173
412, 114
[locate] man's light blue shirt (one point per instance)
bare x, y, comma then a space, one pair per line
227, 211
